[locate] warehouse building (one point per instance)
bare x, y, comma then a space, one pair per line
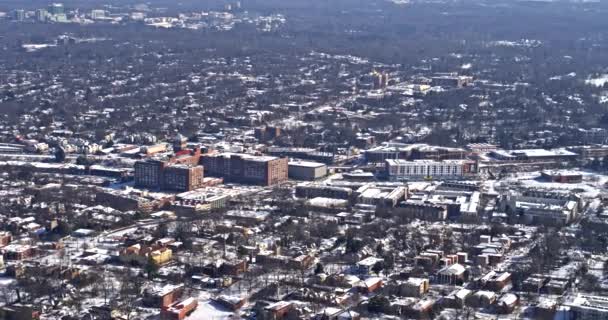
306, 170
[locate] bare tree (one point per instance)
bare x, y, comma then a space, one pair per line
130, 290
8, 293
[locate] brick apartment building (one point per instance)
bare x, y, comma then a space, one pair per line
261, 170
183, 177
179, 310
179, 173
148, 173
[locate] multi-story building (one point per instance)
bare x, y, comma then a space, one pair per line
179, 310
590, 152
56, 9
562, 176
533, 155
198, 200
547, 209
141, 254
314, 190
162, 296
422, 211
387, 151
182, 177
149, 173
41, 15
446, 169
267, 133
381, 196
593, 135
18, 252
159, 174
56, 13
380, 80
5, 238
415, 287
419, 151
302, 153
245, 168
179, 173
179, 143
98, 14
451, 80
19, 15
481, 147
187, 157
436, 153
589, 307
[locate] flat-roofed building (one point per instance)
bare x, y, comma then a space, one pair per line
589, 307
481, 147
422, 211
179, 310
278, 310
537, 207
534, 155
148, 173
245, 168
308, 190
306, 170
180, 172
562, 176
415, 287
381, 196
446, 169
387, 151
183, 177
591, 151
302, 153
496, 281
451, 80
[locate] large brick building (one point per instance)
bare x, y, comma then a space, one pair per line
148, 173
183, 177
261, 170
179, 173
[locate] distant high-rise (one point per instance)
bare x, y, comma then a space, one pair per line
56, 9
138, 16
98, 14
179, 143
384, 80
41, 15
380, 80
19, 15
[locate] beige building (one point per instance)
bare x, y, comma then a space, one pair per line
306, 170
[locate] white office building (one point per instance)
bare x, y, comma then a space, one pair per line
398, 169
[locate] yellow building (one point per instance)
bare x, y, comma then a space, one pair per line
161, 256
141, 254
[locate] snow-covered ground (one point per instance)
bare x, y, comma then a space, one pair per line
591, 187
598, 81
31, 47
211, 311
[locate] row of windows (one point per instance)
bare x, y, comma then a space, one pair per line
407, 170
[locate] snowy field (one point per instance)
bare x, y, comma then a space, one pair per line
211, 311
592, 186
